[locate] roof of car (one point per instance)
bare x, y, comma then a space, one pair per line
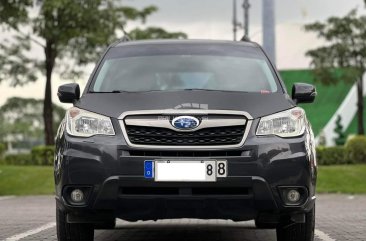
185, 41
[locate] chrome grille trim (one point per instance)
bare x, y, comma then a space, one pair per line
247, 120
165, 123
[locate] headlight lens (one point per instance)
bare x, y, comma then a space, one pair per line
83, 123
289, 123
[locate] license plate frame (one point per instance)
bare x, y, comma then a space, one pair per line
166, 170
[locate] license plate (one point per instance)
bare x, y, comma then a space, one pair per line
185, 171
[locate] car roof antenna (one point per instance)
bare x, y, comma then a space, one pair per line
126, 37
245, 39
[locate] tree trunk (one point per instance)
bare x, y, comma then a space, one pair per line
361, 129
47, 104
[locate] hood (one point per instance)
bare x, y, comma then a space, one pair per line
114, 104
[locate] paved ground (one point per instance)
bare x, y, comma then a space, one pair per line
339, 217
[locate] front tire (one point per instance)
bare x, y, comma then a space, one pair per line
287, 231
72, 231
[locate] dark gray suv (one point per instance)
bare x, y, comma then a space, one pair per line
185, 129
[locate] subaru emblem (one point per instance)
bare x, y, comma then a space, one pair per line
185, 122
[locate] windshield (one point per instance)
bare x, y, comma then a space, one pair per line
175, 72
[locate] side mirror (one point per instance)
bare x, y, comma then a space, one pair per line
303, 93
68, 93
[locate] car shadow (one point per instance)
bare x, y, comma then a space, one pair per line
186, 230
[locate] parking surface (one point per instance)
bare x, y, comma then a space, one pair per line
339, 217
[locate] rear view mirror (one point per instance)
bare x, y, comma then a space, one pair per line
68, 93
303, 93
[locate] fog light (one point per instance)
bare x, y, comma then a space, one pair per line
77, 196
293, 196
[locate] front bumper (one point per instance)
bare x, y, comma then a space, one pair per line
119, 189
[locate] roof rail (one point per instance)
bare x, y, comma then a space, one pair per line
245, 39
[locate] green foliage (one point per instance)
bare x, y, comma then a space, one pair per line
3, 129
2, 150
17, 159
341, 137
331, 155
342, 179
23, 116
39, 156
155, 33
43, 155
26, 180
16, 65
354, 152
15, 11
355, 149
345, 49
322, 141
71, 33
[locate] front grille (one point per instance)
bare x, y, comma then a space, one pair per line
228, 135
149, 191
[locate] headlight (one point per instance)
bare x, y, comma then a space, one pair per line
85, 124
289, 123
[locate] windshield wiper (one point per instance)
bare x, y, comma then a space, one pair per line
110, 92
200, 89
147, 91
216, 90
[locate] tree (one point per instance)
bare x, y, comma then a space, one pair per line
341, 137
2, 129
71, 33
15, 11
154, 33
345, 50
23, 117
322, 141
